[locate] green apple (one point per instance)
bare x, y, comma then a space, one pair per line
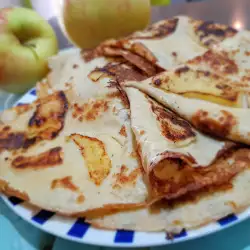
89, 22
26, 42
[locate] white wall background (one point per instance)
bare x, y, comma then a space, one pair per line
7, 3
43, 7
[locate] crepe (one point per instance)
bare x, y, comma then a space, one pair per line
73, 73
167, 43
229, 59
211, 118
95, 143
172, 151
195, 211
72, 155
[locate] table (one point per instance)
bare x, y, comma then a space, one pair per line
16, 234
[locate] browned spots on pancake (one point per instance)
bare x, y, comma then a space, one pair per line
245, 79
134, 154
20, 109
123, 177
220, 63
223, 86
201, 73
137, 60
157, 82
174, 54
181, 70
5, 188
142, 50
140, 63
118, 72
123, 131
46, 159
232, 204
159, 30
90, 54
80, 199
211, 33
172, 126
220, 126
142, 132
65, 182
122, 94
68, 84
247, 53
177, 178
95, 156
11, 141
6, 128
90, 111
48, 119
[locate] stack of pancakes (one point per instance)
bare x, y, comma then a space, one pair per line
150, 132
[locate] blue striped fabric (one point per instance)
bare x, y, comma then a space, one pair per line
124, 236
42, 216
79, 229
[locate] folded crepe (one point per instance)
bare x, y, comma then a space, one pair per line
167, 43
177, 158
201, 179
70, 154
193, 95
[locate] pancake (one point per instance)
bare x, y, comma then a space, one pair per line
230, 59
194, 212
71, 155
97, 145
172, 151
208, 117
162, 43
199, 84
82, 77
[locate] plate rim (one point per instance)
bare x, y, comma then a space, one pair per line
132, 244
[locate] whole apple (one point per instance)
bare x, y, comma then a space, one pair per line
26, 42
89, 22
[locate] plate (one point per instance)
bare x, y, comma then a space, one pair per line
75, 229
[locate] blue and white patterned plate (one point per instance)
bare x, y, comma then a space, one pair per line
79, 231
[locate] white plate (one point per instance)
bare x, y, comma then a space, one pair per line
79, 231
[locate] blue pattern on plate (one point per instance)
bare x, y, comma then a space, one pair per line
20, 104
33, 92
15, 201
124, 236
228, 219
79, 229
42, 216
182, 234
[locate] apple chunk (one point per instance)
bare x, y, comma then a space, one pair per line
26, 42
